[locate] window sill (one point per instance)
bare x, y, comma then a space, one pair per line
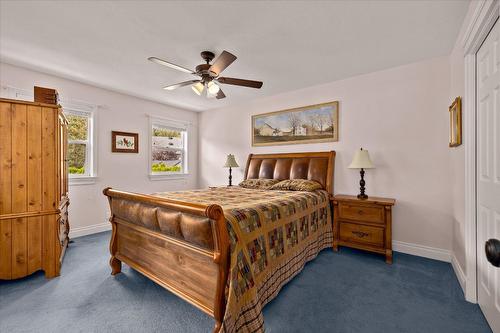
168, 176
82, 180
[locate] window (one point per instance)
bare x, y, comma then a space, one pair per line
168, 141
81, 159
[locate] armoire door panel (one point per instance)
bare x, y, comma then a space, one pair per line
19, 159
34, 244
5, 158
6, 249
19, 248
49, 245
34, 158
49, 171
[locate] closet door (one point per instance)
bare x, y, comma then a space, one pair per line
488, 176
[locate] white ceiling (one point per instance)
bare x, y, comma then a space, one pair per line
287, 45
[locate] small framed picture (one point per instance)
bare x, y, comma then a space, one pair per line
455, 110
123, 142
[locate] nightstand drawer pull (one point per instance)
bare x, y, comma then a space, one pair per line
360, 212
360, 234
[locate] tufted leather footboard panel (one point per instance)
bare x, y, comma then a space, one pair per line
194, 229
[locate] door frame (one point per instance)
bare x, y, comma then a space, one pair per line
482, 20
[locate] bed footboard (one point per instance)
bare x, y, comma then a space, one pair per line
182, 246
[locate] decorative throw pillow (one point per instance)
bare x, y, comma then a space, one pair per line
297, 185
261, 184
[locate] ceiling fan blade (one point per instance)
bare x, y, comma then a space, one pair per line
240, 82
220, 94
223, 60
181, 84
168, 64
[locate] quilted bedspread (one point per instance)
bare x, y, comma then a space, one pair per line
273, 234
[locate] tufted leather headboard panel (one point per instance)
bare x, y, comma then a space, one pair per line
318, 166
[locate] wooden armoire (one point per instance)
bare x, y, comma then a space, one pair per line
33, 188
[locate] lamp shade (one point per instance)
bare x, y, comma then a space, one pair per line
361, 160
231, 162
198, 88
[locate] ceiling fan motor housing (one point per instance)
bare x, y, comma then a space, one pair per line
203, 70
207, 56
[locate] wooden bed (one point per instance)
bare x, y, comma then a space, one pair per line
194, 264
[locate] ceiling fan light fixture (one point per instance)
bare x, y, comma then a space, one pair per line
198, 88
213, 88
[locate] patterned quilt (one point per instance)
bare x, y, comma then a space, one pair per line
273, 234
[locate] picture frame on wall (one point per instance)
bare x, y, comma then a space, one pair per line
455, 111
307, 124
124, 142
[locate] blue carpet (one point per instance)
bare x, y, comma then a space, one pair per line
349, 291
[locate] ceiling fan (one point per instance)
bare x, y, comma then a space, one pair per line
208, 84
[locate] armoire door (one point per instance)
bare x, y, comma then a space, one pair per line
488, 176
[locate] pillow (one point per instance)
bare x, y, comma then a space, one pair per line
262, 184
297, 185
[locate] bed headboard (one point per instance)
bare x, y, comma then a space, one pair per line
318, 166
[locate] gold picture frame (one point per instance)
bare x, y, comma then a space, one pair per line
307, 124
455, 111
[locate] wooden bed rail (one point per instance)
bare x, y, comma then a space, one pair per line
132, 233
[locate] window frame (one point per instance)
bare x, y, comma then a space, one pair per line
90, 175
175, 125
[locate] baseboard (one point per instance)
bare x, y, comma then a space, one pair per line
422, 251
458, 272
88, 230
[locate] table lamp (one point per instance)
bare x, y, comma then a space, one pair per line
361, 160
230, 163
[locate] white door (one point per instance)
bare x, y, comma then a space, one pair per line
488, 173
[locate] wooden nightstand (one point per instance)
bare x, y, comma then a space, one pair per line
363, 224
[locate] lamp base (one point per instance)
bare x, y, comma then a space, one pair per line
362, 194
230, 178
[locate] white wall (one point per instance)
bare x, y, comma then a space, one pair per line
457, 154
457, 161
399, 115
88, 206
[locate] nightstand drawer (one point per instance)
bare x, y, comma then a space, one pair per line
361, 213
362, 234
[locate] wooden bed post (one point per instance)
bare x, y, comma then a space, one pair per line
116, 265
221, 258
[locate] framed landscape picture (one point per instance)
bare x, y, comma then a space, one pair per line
123, 142
308, 124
